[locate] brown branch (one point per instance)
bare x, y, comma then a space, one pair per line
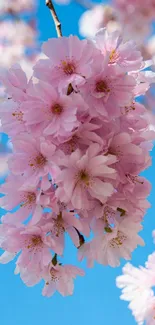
57, 23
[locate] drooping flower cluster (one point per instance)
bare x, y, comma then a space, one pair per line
80, 141
137, 286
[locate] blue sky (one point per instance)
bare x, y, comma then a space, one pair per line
96, 298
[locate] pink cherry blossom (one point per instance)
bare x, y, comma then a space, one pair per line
15, 82
130, 200
30, 241
12, 121
60, 278
10, 29
121, 145
56, 224
116, 243
10, 54
80, 142
121, 54
29, 276
142, 14
31, 200
82, 177
16, 5
56, 113
136, 288
32, 159
81, 138
27, 200
136, 285
97, 17
146, 9
104, 87
69, 61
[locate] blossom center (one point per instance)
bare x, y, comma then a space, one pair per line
130, 108
57, 109
68, 67
39, 161
116, 151
133, 179
35, 242
118, 240
54, 274
18, 115
113, 56
84, 177
71, 145
102, 87
58, 228
29, 199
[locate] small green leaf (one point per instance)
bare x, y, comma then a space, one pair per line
54, 260
70, 89
122, 212
108, 229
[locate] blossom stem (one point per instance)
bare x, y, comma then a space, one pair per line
81, 238
57, 23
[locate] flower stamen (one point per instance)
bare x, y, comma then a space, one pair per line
84, 177
113, 56
102, 87
57, 109
39, 161
68, 67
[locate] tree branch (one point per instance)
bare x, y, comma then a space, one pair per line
57, 23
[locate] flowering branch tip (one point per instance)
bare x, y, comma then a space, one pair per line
57, 23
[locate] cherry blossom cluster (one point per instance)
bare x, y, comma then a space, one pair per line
17, 44
80, 140
16, 6
137, 286
17, 33
138, 9
16, 37
117, 16
97, 17
142, 13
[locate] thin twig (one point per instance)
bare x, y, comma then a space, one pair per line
57, 23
